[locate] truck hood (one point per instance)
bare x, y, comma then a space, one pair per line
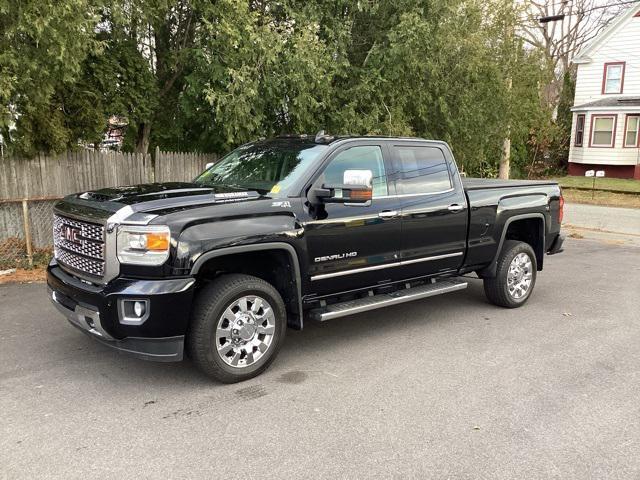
151, 198
133, 194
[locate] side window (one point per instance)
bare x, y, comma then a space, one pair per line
359, 158
422, 170
579, 130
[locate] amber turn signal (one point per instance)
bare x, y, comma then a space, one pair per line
157, 241
361, 195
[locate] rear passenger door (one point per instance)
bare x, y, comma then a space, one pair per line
433, 208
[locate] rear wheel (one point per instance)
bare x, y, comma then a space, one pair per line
237, 328
515, 275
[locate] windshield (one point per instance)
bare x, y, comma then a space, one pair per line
264, 167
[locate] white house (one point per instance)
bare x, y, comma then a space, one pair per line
606, 113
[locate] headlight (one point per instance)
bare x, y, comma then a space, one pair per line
143, 245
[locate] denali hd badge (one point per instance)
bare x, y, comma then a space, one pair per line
337, 256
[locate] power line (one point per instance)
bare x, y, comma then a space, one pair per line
561, 16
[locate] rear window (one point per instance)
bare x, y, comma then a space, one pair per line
422, 170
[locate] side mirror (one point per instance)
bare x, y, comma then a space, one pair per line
358, 177
355, 189
208, 165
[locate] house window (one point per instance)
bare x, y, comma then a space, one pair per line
631, 131
603, 130
579, 130
613, 79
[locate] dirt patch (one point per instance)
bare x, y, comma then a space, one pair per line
25, 276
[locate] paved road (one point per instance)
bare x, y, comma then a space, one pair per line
612, 219
449, 387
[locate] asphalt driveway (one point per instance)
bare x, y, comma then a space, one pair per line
448, 387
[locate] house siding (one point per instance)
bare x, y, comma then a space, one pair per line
623, 45
618, 155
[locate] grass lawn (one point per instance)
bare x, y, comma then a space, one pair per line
600, 197
622, 184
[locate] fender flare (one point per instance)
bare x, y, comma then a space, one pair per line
491, 269
221, 252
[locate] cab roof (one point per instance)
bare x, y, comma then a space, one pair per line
322, 138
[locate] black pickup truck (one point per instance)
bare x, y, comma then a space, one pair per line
288, 230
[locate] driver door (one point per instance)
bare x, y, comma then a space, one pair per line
353, 246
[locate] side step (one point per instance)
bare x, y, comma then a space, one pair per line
343, 309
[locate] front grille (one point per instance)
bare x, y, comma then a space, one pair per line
84, 249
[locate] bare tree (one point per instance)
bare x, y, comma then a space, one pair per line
574, 23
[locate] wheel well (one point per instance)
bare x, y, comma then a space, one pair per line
273, 266
531, 231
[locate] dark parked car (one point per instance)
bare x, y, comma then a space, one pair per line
288, 230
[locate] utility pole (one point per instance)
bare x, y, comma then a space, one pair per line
505, 155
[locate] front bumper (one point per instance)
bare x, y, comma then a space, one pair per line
95, 311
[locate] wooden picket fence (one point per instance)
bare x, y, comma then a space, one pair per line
30, 187
75, 171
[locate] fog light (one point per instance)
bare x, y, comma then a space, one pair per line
133, 312
139, 309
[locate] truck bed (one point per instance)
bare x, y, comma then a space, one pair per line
485, 183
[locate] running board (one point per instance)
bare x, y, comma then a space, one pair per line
365, 304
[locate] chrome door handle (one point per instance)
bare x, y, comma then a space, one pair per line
455, 207
386, 214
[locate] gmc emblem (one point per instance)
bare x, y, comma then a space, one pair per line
71, 234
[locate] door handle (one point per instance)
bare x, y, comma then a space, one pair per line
455, 207
386, 214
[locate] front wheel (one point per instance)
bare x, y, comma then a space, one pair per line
515, 275
237, 328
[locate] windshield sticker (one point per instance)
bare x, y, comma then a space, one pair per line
276, 188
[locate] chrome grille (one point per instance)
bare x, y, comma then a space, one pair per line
86, 253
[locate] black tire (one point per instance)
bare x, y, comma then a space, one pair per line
497, 289
210, 304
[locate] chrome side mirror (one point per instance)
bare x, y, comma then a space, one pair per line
362, 178
355, 189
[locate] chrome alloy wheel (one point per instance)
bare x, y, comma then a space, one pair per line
245, 331
519, 276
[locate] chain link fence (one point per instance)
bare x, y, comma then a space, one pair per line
26, 232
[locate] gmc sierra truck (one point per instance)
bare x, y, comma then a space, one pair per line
288, 230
